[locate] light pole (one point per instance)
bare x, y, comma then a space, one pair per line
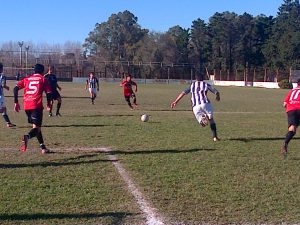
20, 45
26, 55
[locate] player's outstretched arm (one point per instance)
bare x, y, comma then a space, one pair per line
218, 98
179, 97
16, 100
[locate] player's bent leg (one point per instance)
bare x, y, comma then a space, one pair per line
288, 137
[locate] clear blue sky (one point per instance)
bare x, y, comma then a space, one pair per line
58, 21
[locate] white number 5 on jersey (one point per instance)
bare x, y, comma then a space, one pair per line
32, 87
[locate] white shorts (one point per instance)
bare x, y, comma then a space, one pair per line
2, 102
93, 90
204, 108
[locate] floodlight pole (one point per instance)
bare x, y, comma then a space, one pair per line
20, 45
26, 55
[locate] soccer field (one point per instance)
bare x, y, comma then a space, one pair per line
171, 162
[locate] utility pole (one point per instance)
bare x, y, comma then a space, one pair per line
26, 55
21, 45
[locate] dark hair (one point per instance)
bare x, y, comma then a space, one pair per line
298, 81
199, 77
39, 68
1, 66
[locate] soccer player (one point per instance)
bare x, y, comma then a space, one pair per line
2, 98
202, 107
93, 84
34, 85
127, 84
51, 77
292, 108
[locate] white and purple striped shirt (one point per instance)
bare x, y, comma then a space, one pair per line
199, 90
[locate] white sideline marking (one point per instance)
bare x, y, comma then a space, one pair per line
151, 217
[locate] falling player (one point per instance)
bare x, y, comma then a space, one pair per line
2, 98
127, 84
55, 94
34, 85
93, 84
202, 107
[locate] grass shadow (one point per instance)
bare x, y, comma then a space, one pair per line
159, 151
117, 115
117, 217
63, 162
258, 139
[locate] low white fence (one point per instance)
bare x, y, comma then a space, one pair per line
172, 81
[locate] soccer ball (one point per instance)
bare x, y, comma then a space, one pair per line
144, 118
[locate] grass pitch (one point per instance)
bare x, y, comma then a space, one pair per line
187, 177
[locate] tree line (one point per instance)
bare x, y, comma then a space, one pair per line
225, 45
228, 41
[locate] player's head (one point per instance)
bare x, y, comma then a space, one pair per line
39, 68
1, 67
92, 74
50, 69
199, 77
128, 77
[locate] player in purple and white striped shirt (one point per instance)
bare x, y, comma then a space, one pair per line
92, 84
202, 107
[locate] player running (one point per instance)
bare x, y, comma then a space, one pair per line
127, 84
34, 85
55, 94
2, 98
93, 84
202, 107
292, 108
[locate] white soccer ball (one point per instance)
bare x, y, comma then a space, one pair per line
144, 117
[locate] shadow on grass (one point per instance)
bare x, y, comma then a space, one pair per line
118, 115
160, 151
259, 139
63, 162
117, 217
78, 125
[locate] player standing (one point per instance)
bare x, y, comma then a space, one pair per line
2, 98
292, 108
34, 85
92, 84
55, 94
127, 84
202, 107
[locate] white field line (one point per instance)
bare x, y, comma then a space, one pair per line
149, 212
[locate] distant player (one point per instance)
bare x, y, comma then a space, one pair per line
202, 107
34, 85
92, 84
292, 108
51, 77
127, 84
2, 98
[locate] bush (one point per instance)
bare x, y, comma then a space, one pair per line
285, 84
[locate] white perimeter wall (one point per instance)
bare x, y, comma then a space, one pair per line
171, 81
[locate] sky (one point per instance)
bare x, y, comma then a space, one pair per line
60, 21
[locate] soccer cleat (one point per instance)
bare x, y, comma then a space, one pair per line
24, 143
45, 150
284, 150
10, 125
50, 114
216, 139
58, 114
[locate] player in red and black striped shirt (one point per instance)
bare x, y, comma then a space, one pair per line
34, 85
128, 91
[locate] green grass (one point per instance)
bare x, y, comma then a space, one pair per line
187, 177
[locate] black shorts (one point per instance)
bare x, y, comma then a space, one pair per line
293, 118
35, 116
55, 95
127, 97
